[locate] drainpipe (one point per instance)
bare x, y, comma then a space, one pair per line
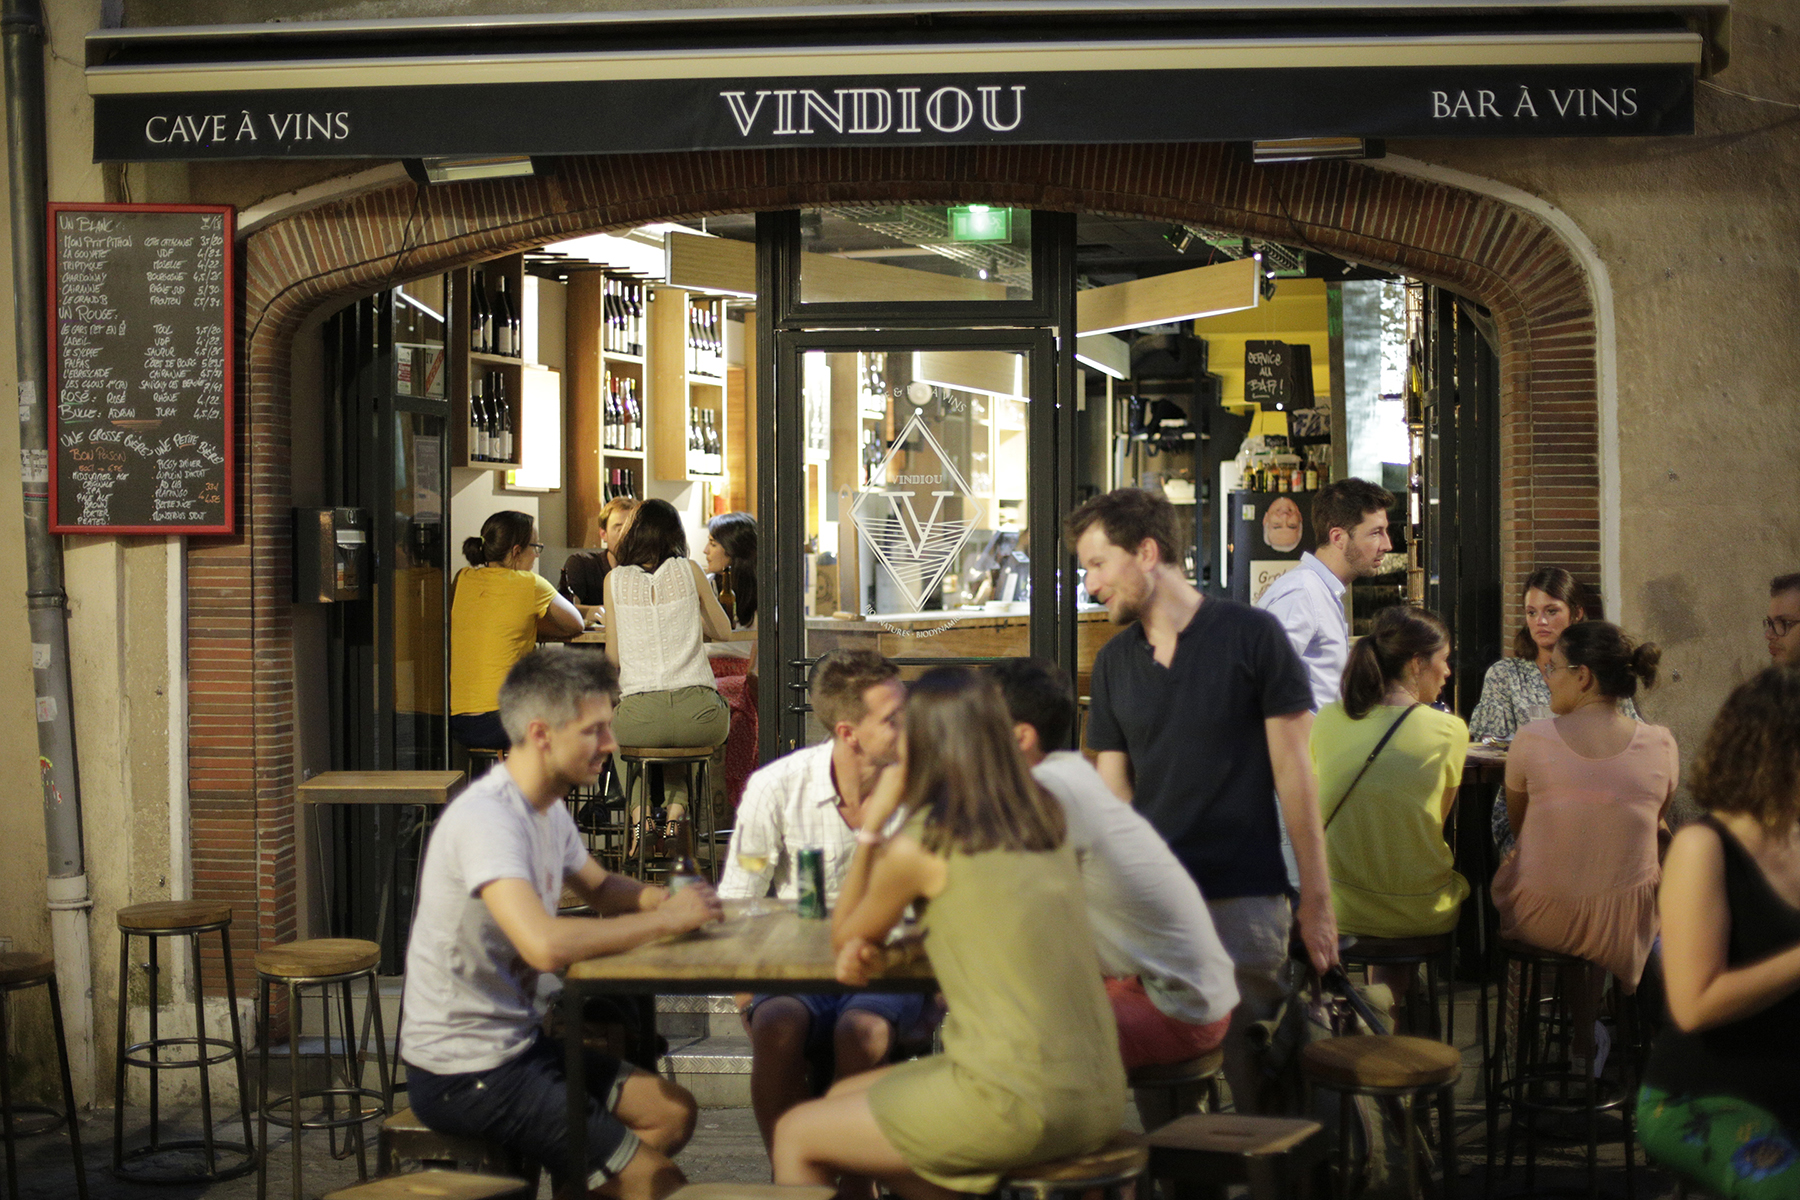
22, 28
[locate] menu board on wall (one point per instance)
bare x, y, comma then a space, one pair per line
141, 368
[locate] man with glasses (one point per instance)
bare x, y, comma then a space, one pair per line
1782, 626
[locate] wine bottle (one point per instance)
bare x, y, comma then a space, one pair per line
508, 446
505, 342
637, 318
728, 596
609, 314
636, 420
478, 318
474, 433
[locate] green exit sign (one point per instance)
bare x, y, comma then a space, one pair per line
979, 223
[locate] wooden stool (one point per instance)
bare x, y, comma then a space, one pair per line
1272, 1154
1107, 1170
321, 963
18, 971
152, 922
482, 760
405, 1140
1535, 1070
751, 1191
696, 760
1399, 1066
1170, 1090
437, 1185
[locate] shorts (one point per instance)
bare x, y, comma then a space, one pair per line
905, 1011
524, 1105
480, 731
1150, 1037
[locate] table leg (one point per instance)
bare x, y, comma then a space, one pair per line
575, 1072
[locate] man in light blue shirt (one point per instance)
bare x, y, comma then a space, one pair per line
1350, 519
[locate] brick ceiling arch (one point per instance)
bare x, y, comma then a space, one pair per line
241, 663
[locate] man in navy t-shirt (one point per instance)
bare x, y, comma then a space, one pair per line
1198, 712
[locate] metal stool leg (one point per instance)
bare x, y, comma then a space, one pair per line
155, 989
118, 1160
237, 1039
68, 1085
1447, 1118
262, 1089
293, 1005
6, 1101
206, 1131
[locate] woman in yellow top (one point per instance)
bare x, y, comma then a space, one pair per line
1030, 1069
499, 607
1391, 873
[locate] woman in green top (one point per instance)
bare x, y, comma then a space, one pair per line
1391, 873
1030, 1069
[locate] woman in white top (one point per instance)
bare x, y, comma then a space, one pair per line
659, 610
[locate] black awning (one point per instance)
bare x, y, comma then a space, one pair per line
1031, 71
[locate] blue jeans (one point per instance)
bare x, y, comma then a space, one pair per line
523, 1104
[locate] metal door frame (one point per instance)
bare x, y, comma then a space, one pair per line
1043, 328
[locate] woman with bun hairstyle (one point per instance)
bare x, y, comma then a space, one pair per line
1585, 793
1720, 1105
1516, 690
499, 607
1391, 870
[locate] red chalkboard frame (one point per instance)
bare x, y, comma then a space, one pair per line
228, 405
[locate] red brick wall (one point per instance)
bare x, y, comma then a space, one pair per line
240, 630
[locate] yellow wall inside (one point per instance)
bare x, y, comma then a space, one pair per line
1296, 315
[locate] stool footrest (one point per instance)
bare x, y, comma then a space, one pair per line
280, 1104
227, 1054
131, 1163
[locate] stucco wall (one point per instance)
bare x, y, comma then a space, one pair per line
1699, 237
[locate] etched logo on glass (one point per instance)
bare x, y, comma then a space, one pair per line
918, 512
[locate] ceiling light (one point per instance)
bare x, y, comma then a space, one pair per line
463, 168
1307, 149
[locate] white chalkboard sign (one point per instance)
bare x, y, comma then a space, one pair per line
141, 369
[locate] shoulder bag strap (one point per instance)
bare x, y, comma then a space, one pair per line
1368, 762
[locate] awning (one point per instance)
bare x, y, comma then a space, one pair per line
1028, 71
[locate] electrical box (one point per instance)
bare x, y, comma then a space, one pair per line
333, 556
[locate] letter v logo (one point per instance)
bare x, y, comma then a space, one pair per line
745, 117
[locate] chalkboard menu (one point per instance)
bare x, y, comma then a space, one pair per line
140, 362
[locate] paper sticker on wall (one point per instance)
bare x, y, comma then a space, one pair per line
46, 708
40, 656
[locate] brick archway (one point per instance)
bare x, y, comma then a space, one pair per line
240, 621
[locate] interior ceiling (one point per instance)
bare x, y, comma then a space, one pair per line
1108, 250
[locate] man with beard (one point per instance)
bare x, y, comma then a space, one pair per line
1782, 626
1351, 517
1198, 711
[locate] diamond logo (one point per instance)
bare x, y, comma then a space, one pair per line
918, 512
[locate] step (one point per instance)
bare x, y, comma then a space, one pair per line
715, 1069
685, 1018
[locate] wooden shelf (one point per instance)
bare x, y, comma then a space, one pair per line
465, 366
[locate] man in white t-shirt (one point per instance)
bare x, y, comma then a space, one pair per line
478, 1060
813, 798
1171, 983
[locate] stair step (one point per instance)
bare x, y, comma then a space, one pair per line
710, 1056
685, 1018
715, 1069
696, 1004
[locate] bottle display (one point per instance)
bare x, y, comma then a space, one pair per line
705, 340
622, 316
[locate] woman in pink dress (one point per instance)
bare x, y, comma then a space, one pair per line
1585, 793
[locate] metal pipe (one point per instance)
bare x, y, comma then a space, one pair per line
22, 35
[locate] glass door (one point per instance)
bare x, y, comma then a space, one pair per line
920, 398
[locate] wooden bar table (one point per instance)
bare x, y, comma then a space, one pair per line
777, 951
423, 790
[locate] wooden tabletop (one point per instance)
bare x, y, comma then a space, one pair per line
778, 951
382, 787
596, 635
